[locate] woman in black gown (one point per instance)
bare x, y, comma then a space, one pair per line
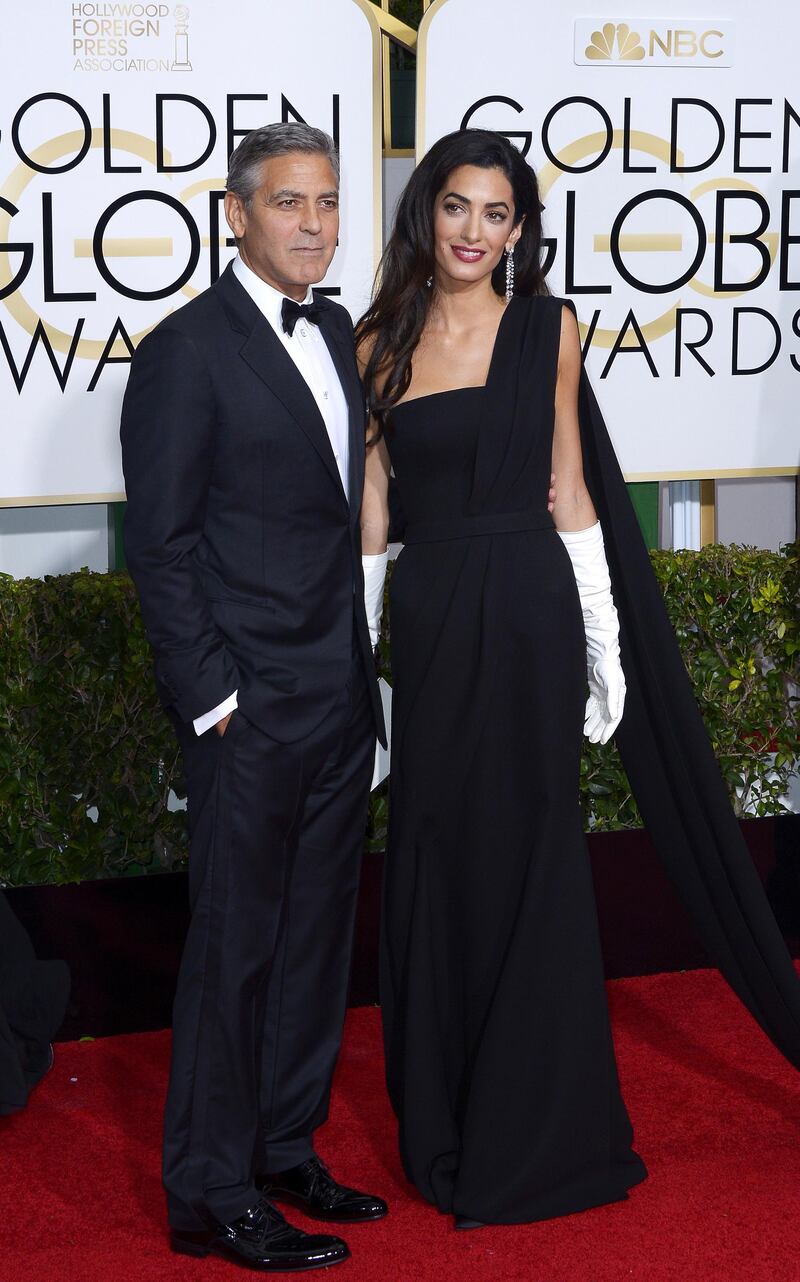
499, 1058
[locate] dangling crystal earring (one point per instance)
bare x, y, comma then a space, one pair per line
509, 273
429, 281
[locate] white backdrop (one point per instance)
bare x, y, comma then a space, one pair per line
92, 255
645, 277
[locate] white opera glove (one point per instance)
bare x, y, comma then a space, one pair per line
601, 624
374, 579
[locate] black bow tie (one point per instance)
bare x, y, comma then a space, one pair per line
291, 313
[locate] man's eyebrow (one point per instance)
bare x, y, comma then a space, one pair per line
490, 204
283, 192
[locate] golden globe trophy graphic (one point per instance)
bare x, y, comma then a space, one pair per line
181, 62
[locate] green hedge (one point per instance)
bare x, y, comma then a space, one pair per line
734, 610
81, 728
87, 758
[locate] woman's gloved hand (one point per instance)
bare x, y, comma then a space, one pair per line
374, 576
604, 671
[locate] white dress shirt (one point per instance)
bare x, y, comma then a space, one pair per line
309, 351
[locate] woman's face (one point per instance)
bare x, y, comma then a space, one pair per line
473, 222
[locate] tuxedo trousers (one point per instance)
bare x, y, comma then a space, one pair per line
276, 838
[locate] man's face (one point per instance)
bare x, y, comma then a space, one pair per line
288, 237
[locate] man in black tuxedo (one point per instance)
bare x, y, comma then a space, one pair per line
243, 449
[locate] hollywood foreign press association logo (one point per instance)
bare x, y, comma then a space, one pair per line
628, 44
132, 36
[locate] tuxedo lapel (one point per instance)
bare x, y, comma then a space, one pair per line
263, 351
340, 346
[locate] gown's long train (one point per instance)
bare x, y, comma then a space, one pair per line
499, 1057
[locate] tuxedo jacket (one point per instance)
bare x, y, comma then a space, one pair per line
238, 534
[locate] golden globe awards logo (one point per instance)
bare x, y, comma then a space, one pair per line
654, 43
115, 132
670, 205
723, 237
138, 243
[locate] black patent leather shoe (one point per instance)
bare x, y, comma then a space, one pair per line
262, 1240
311, 1187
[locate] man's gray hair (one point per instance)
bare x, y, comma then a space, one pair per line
245, 164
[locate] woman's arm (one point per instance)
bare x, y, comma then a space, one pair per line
374, 518
579, 530
375, 503
374, 532
573, 508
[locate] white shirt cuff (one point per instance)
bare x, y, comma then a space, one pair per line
209, 719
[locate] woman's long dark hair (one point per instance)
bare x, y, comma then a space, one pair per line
393, 324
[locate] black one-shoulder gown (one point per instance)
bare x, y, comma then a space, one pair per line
500, 1063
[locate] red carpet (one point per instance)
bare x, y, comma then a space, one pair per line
715, 1108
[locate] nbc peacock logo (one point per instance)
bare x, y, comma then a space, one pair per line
615, 36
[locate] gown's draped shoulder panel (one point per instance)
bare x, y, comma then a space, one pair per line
672, 769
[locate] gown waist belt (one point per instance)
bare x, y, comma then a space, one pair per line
469, 527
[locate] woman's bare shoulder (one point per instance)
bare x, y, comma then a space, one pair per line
569, 348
